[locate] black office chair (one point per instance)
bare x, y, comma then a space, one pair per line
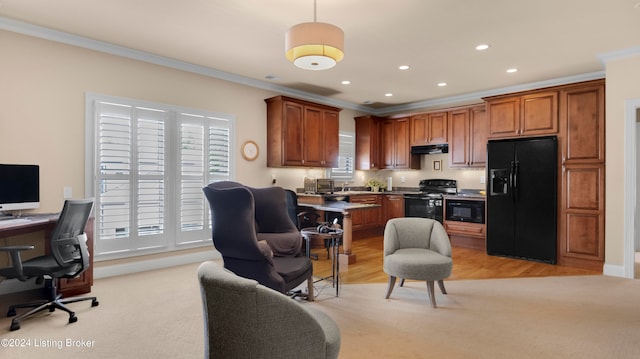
68, 259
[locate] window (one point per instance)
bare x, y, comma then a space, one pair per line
147, 169
346, 156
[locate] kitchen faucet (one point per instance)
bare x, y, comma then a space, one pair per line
344, 184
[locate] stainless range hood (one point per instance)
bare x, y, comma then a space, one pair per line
429, 149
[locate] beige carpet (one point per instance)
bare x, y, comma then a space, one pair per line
158, 315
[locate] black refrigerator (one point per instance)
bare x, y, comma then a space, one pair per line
522, 198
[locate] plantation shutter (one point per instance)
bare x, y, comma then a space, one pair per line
150, 165
345, 168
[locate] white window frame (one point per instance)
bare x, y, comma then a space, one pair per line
172, 233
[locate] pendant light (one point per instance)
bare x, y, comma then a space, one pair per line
314, 45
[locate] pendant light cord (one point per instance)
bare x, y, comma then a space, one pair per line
315, 6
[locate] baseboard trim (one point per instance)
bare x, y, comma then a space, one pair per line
151, 264
613, 270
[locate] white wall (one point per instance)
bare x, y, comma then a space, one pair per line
42, 113
622, 76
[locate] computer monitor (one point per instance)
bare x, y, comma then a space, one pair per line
19, 187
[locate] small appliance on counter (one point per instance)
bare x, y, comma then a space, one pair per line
318, 186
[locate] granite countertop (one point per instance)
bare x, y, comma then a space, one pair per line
339, 206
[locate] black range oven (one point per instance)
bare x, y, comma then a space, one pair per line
465, 210
428, 203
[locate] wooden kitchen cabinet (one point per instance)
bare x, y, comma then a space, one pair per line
582, 115
396, 150
392, 206
366, 218
367, 143
467, 235
529, 114
429, 128
301, 133
468, 133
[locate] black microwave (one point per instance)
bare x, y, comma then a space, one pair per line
465, 210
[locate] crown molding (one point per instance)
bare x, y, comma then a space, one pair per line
112, 49
619, 54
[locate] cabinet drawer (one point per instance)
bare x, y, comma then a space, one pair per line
369, 199
465, 229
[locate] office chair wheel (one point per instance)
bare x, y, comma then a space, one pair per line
95, 303
11, 312
73, 319
14, 326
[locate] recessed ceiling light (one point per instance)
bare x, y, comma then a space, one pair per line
442, 84
482, 47
512, 70
403, 67
388, 94
345, 82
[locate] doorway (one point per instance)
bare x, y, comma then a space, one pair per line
631, 265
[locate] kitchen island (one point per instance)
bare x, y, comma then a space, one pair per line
319, 203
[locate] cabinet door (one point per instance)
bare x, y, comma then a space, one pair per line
582, 116
539, 113
313, 137
367, 217
459, 138
437, 128
402, 146
393, 207
419, 130
293, 132
388, 155
582, 224
504, 117
367, 143
331, 139
478, 134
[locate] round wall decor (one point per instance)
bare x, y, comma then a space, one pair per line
249, 150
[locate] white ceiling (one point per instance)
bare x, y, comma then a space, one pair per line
547, 40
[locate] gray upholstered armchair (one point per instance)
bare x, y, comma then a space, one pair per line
244, 319
418, 249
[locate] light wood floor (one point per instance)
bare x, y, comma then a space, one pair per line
467, 264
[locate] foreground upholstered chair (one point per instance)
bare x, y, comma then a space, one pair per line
234, 236
243, 319
418, 249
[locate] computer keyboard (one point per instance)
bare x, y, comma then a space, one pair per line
18, 221
14, 221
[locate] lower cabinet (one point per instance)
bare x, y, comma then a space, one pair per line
369, 217
468, 235
393, 207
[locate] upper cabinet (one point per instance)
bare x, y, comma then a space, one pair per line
429, 128
468, 132
301, 133
367, 143
396, 150
582, 116
529, 114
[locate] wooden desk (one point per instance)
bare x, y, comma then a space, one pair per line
66, 287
